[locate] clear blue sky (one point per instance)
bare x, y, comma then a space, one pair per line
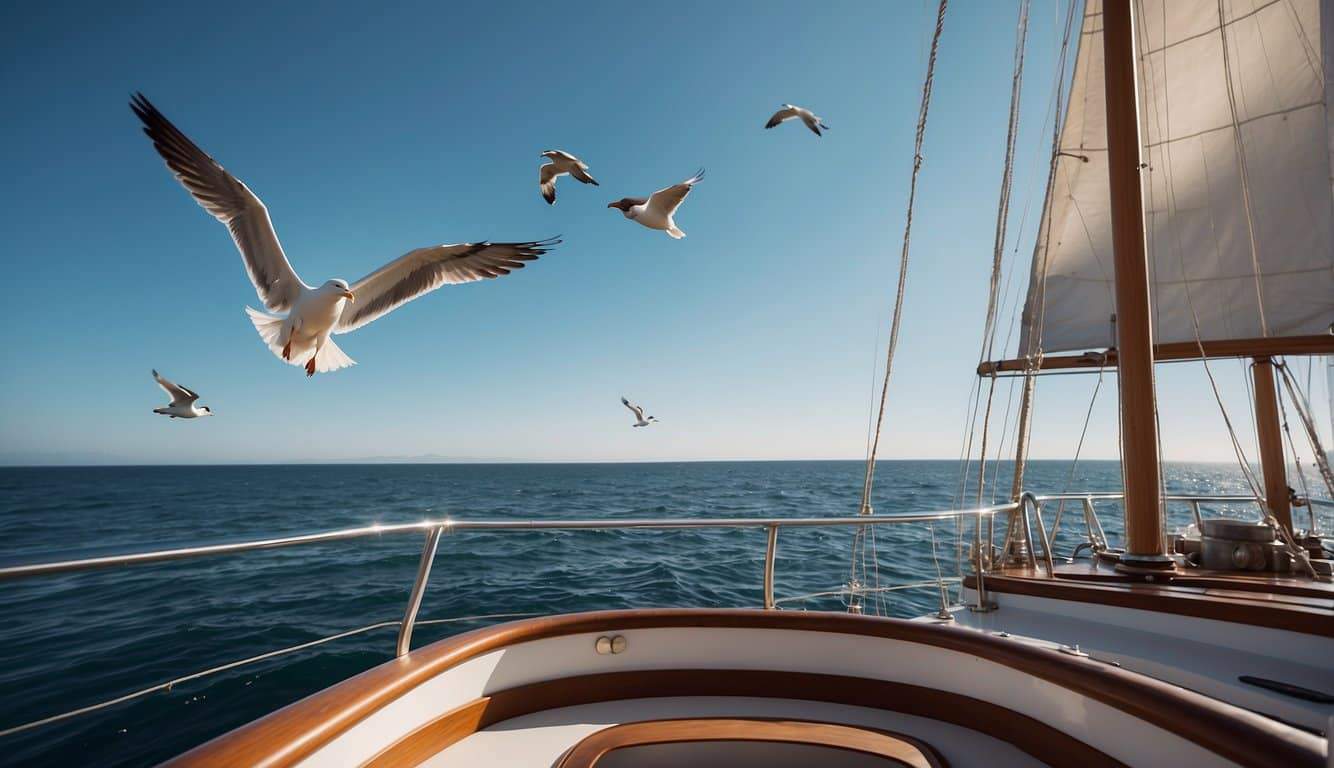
369, 132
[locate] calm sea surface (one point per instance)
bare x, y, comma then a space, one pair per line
74, 640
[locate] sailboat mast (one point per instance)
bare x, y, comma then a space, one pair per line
1269, 434
1145, 545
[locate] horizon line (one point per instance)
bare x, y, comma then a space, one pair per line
416, 461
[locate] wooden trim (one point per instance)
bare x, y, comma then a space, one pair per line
1276, 588
1259, 612
896, 749
1269, 436
1038, 739
1176, 351
292, 733
434, 737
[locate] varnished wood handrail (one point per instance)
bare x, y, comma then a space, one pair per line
1187, 599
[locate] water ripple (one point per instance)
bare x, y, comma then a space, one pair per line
77, 639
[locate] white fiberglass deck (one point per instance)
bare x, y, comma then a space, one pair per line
541, 738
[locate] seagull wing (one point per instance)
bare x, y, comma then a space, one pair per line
669, 199
425, 269
230, 202
556, 153
179, 395
786, 113
811, 121
637, 410
580, 172
546, 180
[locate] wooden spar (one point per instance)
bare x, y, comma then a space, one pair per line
1319, 344
1267, 431
1145, 543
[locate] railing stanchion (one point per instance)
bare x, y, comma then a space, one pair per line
1096, 535
1056, 524
418, 590
991, 540
1030, 499
978, 559
1195, 510
769, 552
1027, 528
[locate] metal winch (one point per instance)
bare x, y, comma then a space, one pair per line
1238, 545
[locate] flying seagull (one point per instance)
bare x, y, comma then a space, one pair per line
788, 111
638, 411
302, 336
656, 210
562, 163
182, 400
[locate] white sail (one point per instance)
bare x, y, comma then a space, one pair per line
1237, 189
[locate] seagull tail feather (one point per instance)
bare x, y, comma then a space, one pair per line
676, 232
331, 358
270, 329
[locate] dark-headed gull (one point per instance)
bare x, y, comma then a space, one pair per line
562, 163
638, 411
182, 400
302, 337
789, 111
656, 210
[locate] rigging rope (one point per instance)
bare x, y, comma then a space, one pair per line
1166, 116
1145, 84
998, 252
1007, 182
1038, 281
859, 540
1292, 446
1079, 449
1009, 395
1303, 407
903, 258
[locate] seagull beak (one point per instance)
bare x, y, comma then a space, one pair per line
611, 205
349, 296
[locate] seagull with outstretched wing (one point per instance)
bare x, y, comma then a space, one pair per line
790, 111
182, 404
562, 163
638, 411
657, 210
302, 336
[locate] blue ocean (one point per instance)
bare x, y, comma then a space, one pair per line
74, 640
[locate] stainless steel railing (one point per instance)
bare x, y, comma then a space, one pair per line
1098, 539
434, 529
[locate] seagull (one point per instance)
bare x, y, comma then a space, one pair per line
302, 336
788, 111
656, 211
638, 411
182, 400
562, 163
